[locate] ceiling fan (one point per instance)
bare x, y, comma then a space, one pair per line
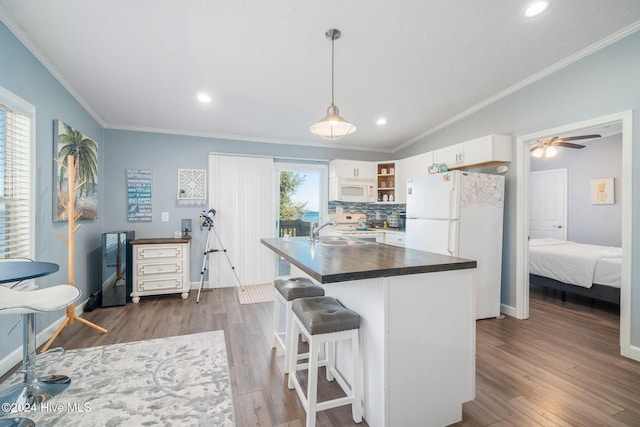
547, 147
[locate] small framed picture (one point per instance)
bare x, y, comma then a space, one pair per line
602, 191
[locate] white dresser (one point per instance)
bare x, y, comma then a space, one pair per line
160, 266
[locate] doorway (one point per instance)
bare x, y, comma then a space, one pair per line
301, 190
522, 219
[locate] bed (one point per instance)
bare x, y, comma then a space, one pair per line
589, 270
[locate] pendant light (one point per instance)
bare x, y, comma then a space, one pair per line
332, 126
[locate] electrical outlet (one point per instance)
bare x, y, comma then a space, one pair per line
165, 216
377, 215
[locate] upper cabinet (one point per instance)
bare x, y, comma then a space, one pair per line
391, 176
386, 175
477, 152
352, 169
408, 168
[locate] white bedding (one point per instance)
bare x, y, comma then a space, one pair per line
575, 263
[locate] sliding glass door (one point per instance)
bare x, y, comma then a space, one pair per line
301, 190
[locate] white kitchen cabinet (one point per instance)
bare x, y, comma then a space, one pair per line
352, 169
408, 168
160, 266
477, 152
394, 238
452, 156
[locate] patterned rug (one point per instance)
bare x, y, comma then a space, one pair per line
177, 381
252, 294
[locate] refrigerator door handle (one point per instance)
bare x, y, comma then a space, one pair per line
449, 221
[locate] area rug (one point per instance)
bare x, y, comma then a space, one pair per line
177, 381
251, 294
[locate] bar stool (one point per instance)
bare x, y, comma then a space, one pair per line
289, 289
325, 321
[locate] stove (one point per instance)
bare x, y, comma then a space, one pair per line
347, 227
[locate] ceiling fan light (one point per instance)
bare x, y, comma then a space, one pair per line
551, 151
332, 126
537, 152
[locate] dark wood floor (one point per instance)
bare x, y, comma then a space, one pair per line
560, 367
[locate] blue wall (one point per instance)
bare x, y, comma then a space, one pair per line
588, 223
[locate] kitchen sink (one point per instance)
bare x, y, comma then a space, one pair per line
340, 241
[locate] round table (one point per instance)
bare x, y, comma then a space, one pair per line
15, 271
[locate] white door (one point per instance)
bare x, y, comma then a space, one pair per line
548, 204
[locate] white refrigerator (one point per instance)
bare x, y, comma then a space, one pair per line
461, 214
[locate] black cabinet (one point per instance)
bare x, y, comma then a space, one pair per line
116, 267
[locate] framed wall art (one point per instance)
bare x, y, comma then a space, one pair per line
139, 195
192, 187
602, 191
71, 142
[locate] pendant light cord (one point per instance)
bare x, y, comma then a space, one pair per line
332, 65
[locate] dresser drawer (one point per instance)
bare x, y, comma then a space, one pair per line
159, 283
153, 268
155, 252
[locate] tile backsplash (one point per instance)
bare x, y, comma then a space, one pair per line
369, 209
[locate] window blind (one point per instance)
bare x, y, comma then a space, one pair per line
15, 184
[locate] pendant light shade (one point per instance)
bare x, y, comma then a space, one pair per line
332, 126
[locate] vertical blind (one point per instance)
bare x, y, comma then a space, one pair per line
241, 192
15, 185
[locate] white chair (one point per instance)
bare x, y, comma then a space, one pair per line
33, 390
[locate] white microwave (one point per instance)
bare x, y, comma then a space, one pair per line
351, 190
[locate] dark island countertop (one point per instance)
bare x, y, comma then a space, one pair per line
329, 264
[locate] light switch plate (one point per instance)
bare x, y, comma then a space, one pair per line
165, 216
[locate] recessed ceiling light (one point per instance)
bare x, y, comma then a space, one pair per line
536, 8
381, 121
204, 98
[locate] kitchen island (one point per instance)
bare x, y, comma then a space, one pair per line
417, 325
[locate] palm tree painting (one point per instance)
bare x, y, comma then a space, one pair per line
85, 152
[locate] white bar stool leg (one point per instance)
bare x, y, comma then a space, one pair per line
276, 320
312, 383
356, 387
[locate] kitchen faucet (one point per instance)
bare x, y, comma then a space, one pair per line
315, 229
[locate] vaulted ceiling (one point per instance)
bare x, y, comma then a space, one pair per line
138, 65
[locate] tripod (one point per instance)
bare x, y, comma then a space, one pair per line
208, 222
